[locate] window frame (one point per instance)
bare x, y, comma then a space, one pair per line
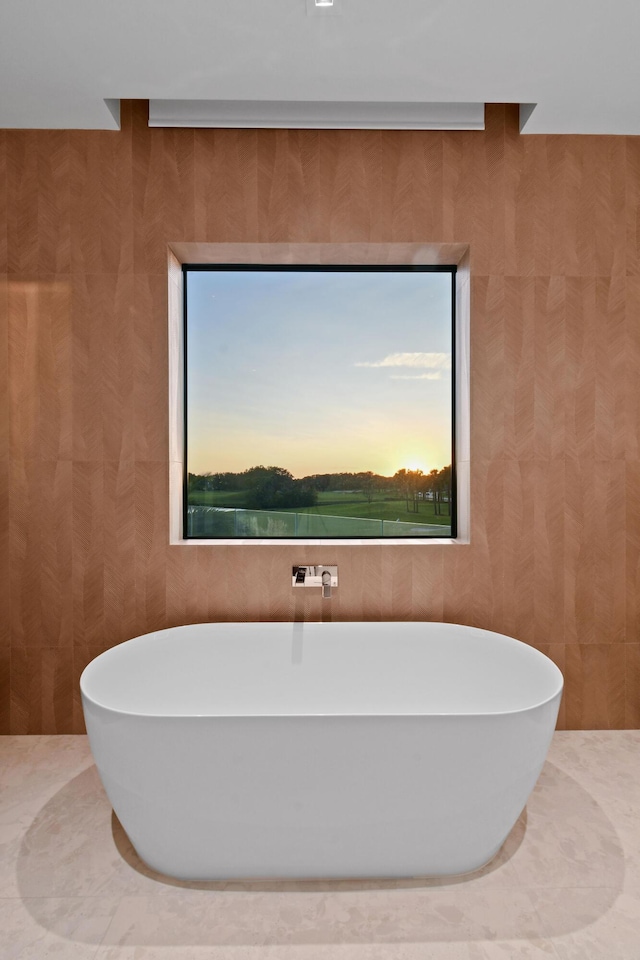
304, 255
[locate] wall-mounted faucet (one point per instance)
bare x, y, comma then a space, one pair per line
320, 575
326, 584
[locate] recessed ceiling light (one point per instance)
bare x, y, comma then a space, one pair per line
324, 8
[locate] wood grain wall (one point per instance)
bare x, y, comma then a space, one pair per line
553, 225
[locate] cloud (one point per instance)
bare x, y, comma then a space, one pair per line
435, 375
432, 361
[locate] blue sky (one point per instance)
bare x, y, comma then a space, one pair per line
318, 372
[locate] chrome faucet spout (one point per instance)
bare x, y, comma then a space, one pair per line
326, 585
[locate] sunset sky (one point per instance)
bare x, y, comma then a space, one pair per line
318, 372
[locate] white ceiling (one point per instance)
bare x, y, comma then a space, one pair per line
66, 63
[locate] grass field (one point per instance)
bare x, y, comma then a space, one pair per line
217, 498
336, 504
376, 510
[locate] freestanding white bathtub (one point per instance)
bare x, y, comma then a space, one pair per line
255, 750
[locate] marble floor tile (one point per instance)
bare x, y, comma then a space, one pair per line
565, 886
196, 917
534, 949
68, 929
614, 934
42, 759
503, 950
438, 951
571, 853
604, 762
70, 848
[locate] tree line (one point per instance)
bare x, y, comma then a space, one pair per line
267, 488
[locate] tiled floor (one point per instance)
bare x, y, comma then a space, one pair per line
566, 886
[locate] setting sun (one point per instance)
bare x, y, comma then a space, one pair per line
413, 463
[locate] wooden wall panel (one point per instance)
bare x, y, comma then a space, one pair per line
163, 191
38, 188
553, 225
557, 653
42, 689
54, 204
534, 551
4, 205
549, 364
40, 544
226, 185
5, 684
151, 524
632, 684
489, 383
610, 441
631, 417
632, 551
22, 202
104, 366
632, 205
5, 599
102, 201
594, 552
595, 678
88, 552
119, 531
5, 563
149, 361
4, 370
40, 380
609, 171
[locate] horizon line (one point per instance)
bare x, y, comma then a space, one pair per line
328, 473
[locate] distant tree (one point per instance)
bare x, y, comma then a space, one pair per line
408, 484
273, 488
444, 480
225, 481
368, 485
200, 481
438, 486
319, 481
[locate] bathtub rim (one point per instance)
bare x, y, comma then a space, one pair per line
210, 715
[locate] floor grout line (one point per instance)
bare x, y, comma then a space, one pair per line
108, 928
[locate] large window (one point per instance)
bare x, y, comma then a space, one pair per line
319, 402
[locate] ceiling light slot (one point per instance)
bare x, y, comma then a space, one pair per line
317, 114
